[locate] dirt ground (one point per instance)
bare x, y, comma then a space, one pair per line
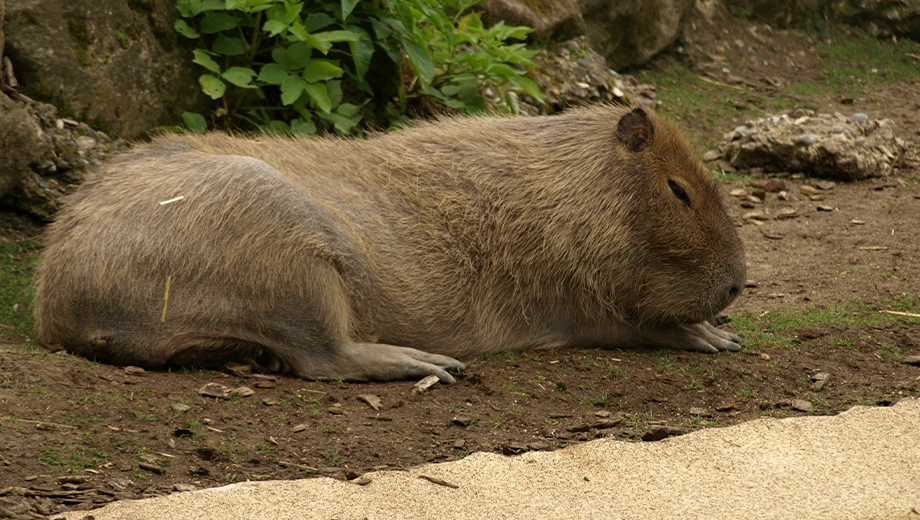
76, 434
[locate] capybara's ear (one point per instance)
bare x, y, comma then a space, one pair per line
636, 130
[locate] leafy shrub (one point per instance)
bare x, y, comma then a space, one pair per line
288, 66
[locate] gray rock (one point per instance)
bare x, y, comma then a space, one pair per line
801, 405
571, 74
629, 33
822, 146
656, 433
22, 143
880, 17
116, 64
558, 20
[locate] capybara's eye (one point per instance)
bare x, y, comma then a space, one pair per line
679, 192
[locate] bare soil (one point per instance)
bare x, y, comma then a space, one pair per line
75, 434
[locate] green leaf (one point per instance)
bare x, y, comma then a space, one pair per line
421, 61
205, 61
228, 46
301, 34
502, 70
341, 123
529, 87
292, 13
206, 5
334, 88
217, 22
362, 50
239, 76
274, 27
303, 126
317, 21
317, 92
291, 89
320, 70
194, 122
212, 86
337, 36
234, 5
278, 127
185, 29
347, 109
347, 7
297, 56
273, 74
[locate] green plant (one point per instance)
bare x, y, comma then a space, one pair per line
298, 67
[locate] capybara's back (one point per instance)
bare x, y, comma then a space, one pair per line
386, 258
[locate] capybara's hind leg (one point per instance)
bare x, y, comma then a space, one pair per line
376, 362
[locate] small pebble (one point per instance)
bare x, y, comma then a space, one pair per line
656, 433
806, 139
801, 405
808, 190
860, 117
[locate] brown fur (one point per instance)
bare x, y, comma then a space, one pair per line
316, 256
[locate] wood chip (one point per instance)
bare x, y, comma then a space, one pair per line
424, 384
873, 248
372, 400
899, 313
135, 371
809, 190
242, 391
436, 480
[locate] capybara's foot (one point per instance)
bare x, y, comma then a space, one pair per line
380, 362
699, 337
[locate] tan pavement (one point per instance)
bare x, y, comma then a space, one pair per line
861, 464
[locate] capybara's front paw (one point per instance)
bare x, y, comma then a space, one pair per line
698, 337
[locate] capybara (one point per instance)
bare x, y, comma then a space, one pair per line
388, 257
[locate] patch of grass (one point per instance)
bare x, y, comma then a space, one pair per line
17, 262
775, 329
666, 360
615, 370
686, 95
75, 458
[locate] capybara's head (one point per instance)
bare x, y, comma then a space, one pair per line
690, 259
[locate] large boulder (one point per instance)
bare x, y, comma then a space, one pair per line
629, 33
21, 143
881, 17
2, 10
43, 156
116, 64
550, 19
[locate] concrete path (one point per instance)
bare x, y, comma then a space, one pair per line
862, 464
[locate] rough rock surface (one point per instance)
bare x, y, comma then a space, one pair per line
116, 64
881, 17
878, 17
823, 145
558, 20
571, 74
629, 33
20, 143
43, 157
